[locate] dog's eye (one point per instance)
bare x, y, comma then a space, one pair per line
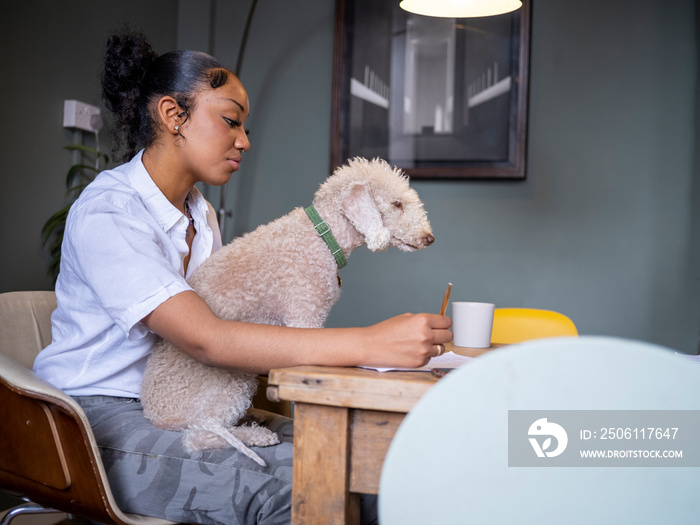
398, 205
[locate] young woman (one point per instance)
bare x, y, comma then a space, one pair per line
131, 240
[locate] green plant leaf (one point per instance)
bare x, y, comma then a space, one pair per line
58, 219
78, 177
87, 149
54, 267
82, 148
78, 187
77, 169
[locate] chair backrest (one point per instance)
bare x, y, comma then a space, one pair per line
515, 325
464, 454
25, 324
49, 454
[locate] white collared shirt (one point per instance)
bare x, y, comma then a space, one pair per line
122, 256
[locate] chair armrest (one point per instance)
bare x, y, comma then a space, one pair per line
28, 383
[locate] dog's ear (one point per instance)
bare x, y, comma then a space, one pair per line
361, 210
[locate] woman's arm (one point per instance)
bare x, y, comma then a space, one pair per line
185, 320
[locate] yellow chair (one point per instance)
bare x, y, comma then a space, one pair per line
515, 325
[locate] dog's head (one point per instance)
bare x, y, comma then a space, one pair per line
380, 204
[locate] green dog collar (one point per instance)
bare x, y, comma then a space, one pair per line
324, 231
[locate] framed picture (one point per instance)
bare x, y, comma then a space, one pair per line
437, 97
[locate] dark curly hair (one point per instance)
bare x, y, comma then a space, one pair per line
134, 76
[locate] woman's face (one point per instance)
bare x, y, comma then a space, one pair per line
214, 134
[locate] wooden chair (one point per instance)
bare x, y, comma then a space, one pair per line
515, 325
462, 456
49, 456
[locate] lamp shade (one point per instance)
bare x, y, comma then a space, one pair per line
460, 8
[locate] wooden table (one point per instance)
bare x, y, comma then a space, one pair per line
344, 421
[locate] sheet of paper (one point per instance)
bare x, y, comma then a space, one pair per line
446, 360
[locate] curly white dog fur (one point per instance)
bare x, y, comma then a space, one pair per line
281, 274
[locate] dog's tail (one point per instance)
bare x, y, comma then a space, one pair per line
212, 435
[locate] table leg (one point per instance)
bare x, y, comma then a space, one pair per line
321, 478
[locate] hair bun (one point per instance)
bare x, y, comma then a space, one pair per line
128, 57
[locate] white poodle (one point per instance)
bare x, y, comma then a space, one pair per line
283, 273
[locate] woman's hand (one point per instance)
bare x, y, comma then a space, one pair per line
408, 340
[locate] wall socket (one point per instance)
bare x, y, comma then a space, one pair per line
80, 115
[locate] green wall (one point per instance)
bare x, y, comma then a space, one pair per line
604, 229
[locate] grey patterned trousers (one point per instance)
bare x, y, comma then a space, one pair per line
151, 474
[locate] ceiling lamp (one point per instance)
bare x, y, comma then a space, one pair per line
460, 8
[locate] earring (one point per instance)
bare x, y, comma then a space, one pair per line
177, 128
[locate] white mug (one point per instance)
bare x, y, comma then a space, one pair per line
472, 324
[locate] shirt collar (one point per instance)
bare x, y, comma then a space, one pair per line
158, 204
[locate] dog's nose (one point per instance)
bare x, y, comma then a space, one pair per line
429, 239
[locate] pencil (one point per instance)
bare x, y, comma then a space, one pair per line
446, 299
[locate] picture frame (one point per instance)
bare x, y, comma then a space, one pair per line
439, 98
